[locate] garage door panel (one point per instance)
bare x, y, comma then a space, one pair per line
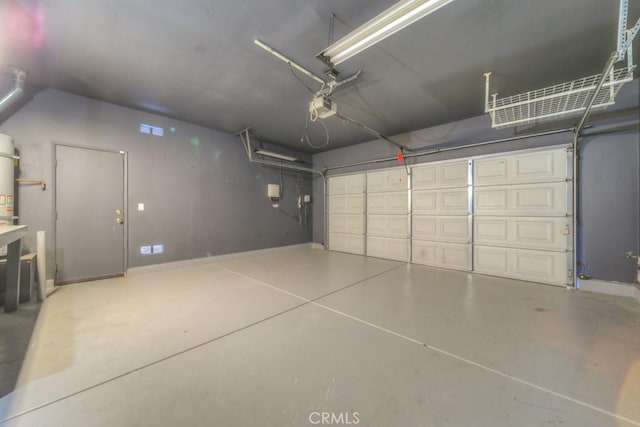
491, 260
441, 254
424, 202
441, 228
490, 200
454, 201
522, 200
424, 252
454, 174
347, 204
389, 248
440, 175
388, 203
491, 231
387, 180
388, 226
537, 266
541, 199
455, 256
346, 243
440, 202
454, 229
350, 224
546, 166
541, 233
423, 177
346, 184
425, 227
490, 171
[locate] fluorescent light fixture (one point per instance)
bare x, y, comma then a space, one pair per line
276, 155
397, 17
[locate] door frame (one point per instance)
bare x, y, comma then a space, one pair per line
54, 169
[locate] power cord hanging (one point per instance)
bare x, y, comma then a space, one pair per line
305, 133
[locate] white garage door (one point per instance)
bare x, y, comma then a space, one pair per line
346, 207
505, 215
388, 214
522, 216
440, 215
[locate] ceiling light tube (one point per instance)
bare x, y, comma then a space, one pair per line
397, 17
276, 155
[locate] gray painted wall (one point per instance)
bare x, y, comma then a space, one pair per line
610, 178
202, 197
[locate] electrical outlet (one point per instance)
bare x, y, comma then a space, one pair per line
158, 249
145, 250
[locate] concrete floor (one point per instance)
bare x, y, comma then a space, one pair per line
281, 338
15, 333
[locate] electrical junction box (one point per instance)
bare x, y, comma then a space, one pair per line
323, 107
273, 191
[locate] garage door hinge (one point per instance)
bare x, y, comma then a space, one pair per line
570, 149
566, 232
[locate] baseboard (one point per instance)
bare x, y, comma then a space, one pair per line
317, 246
610, 288
213, 259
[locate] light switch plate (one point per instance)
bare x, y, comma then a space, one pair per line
140, 206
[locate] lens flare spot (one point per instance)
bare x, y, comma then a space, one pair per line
25, 25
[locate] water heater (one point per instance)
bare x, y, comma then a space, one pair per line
6, 179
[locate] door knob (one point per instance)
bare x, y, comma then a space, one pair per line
120, 220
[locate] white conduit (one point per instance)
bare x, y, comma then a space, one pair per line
41, 260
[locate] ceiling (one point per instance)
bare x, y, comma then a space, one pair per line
195, 60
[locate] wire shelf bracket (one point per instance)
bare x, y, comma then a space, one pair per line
570, 98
